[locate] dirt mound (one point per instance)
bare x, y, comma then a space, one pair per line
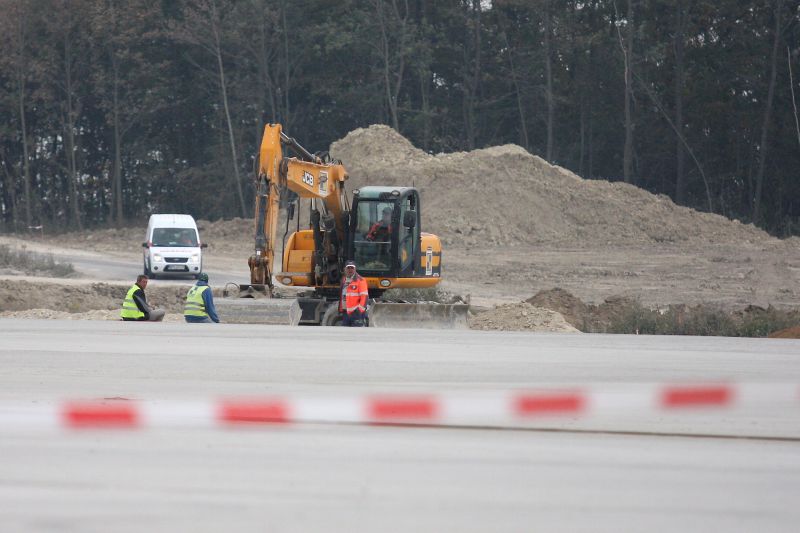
585, 317
96, 314
233, 238
67, 298
504, 195
521, 317
788, 333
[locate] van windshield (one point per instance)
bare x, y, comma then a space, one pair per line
175, 237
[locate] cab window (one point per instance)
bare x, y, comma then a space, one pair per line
373, 236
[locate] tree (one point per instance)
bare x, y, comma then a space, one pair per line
680, 178
16, 44
204, 26
66, 70
627, 54
766, 124
394, 30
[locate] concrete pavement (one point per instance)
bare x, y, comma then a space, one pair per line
362, 478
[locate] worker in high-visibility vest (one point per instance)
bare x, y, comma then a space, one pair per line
199, 307
353, 299
135, 307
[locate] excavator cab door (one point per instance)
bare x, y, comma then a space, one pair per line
408, 236
384, 237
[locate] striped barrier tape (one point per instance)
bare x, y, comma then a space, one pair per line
502, 409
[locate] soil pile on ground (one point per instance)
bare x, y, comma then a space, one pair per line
234, 237
521, 317
788, 333
586, 317
504, 195
68, 298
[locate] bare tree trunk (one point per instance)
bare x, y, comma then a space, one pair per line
10, 195
426, 108
70, 134
628, 153
582, 136
393, 81
26, 171
287, 117
385, 56
224, 93
548, 64
767, 113
25, 156
591, 145
117, 210
680, 178
523, 126
472, 82
791, 86
268, 92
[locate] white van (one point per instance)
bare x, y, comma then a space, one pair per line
172, 247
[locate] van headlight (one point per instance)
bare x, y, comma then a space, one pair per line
156, 257
195, 258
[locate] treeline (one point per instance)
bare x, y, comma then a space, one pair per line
113, 109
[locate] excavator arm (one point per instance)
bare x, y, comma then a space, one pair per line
310, 177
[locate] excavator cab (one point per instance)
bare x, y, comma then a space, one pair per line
384, 231
385, 239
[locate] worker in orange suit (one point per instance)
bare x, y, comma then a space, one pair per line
353, 300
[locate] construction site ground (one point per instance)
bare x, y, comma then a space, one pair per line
511, 225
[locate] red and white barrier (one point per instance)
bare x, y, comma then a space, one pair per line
495, 409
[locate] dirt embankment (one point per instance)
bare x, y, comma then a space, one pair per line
97, 301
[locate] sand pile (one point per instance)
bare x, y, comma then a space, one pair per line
521, 317
504, 195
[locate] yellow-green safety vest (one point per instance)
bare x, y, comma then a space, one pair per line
129, 309
195, 306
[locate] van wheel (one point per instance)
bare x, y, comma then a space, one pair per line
146, 270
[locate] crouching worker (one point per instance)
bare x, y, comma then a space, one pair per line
135, 305
199, 307
353, 302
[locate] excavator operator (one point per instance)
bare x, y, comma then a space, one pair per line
382, 229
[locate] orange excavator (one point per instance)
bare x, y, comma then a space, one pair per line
380, 229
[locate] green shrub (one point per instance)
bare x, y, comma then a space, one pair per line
703, 321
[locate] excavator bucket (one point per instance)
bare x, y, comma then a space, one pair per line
418, 315
254, 310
